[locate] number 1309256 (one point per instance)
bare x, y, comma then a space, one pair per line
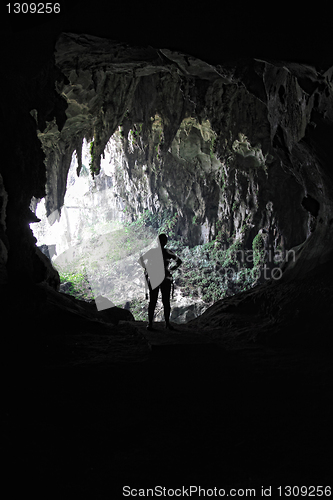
33, 8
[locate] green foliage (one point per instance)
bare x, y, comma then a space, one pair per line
246, 223
258, 246
135, 133
231, 255
93, 169
210, 272
212, 147
79, 284
164, 221
223, 176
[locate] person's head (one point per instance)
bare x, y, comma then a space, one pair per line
163, 239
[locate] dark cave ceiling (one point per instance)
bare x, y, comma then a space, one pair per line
214, 34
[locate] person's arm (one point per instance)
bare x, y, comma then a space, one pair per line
177, 264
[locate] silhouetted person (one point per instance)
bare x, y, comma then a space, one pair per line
158, 276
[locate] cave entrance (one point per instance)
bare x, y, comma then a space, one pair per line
95, 239
175, 147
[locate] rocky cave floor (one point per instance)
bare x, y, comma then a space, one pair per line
94, 405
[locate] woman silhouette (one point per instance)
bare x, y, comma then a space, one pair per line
158, 275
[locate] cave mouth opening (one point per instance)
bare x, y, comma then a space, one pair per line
178, 162
95, 241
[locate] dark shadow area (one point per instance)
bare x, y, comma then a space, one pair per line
100, 403
214, 421
311, 205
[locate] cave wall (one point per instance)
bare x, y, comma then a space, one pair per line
22, 168
233, 149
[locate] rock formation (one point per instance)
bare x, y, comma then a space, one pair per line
233, 149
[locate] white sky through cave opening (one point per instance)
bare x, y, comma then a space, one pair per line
90, 235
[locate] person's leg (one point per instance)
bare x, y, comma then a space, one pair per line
166, 290
153, 294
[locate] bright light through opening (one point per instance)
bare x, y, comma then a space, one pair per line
90, 236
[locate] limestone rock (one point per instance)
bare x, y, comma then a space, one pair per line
187, 309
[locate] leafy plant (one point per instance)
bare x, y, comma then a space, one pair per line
258, 246
164, 221
93, 169
79, 285
212, 147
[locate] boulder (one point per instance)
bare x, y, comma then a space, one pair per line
183, 310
